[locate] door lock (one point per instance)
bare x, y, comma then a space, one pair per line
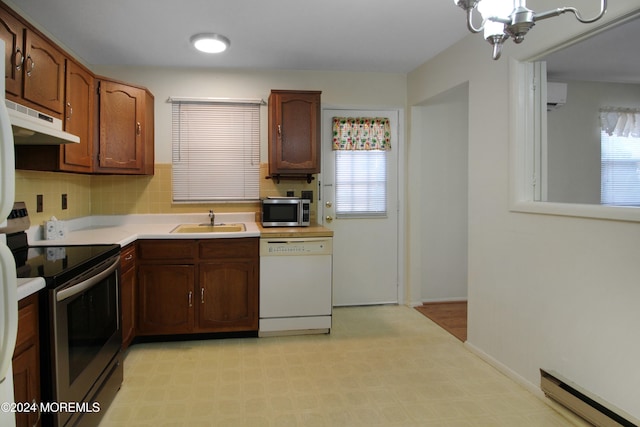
328, 204
328, 218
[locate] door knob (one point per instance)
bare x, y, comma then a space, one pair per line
329, 218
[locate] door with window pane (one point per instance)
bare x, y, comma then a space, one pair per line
360, 204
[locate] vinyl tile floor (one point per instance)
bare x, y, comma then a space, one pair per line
380, 366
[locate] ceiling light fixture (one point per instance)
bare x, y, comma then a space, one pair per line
210, 42
502, 19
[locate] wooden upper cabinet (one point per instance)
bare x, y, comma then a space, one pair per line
12, 32
34, 67
78, 119
43, 73
294, 132
125, 143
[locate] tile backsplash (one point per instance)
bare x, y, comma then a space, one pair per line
120, 194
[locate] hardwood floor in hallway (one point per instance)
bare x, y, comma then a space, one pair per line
451, 316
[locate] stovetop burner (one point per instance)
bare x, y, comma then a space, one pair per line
56, 263
59, 263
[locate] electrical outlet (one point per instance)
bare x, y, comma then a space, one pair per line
307, 194
39, 203
290, 193
64, 201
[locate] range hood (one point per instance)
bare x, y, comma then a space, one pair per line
31, 127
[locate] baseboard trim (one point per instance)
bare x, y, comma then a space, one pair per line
529, 386
443, 300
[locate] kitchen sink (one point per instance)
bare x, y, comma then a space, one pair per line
208, 228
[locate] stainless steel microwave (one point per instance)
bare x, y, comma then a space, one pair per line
285, 212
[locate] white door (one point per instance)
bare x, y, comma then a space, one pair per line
365, 249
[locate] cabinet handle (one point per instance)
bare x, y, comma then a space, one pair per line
138, 128
190, 299
30, 67
279, 130
128, 257
20, 61
70, 110
201, 295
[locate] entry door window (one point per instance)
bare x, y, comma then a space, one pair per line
361, 145
361, 183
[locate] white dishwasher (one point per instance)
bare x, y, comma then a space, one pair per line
295, 285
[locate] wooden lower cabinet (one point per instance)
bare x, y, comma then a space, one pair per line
128, 294
228, 296
26, 361
165, 299
197, 286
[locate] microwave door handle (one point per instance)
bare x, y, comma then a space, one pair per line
82, 286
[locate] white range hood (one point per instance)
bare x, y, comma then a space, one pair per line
31, 127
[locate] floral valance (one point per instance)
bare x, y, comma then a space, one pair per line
361, 133
620, 121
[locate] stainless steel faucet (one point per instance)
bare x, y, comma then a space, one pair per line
212, 217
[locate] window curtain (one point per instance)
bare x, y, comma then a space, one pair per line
620, 122
361, 133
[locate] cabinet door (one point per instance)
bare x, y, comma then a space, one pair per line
127, 306
294, 134
12, 32
43, 73
26, 385
121, 128
165, 299
228, 299
78, 119
26, 360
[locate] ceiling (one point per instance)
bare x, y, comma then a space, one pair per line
357, 35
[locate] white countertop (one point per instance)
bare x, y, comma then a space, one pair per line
27, 287
125, 229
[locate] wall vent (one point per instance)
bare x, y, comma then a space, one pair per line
583, 403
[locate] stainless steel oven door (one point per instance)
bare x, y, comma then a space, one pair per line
87, 333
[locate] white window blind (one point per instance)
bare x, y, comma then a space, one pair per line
216, 151
620, 170
361, 183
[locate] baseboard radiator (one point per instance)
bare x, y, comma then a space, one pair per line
585, 404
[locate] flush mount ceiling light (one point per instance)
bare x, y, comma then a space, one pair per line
502, 19
210, 42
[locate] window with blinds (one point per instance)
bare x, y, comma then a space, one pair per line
216, 151
361, 183
620, 170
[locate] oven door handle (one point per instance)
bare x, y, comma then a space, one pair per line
82, 286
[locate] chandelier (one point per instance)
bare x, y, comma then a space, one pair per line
502, 19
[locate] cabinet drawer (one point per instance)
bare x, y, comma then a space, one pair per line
174, 250
27, 322
229, 248
128, 257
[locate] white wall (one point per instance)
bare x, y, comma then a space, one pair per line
441, 130
545, 291
574, 139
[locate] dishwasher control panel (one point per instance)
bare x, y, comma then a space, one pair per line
296, 246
